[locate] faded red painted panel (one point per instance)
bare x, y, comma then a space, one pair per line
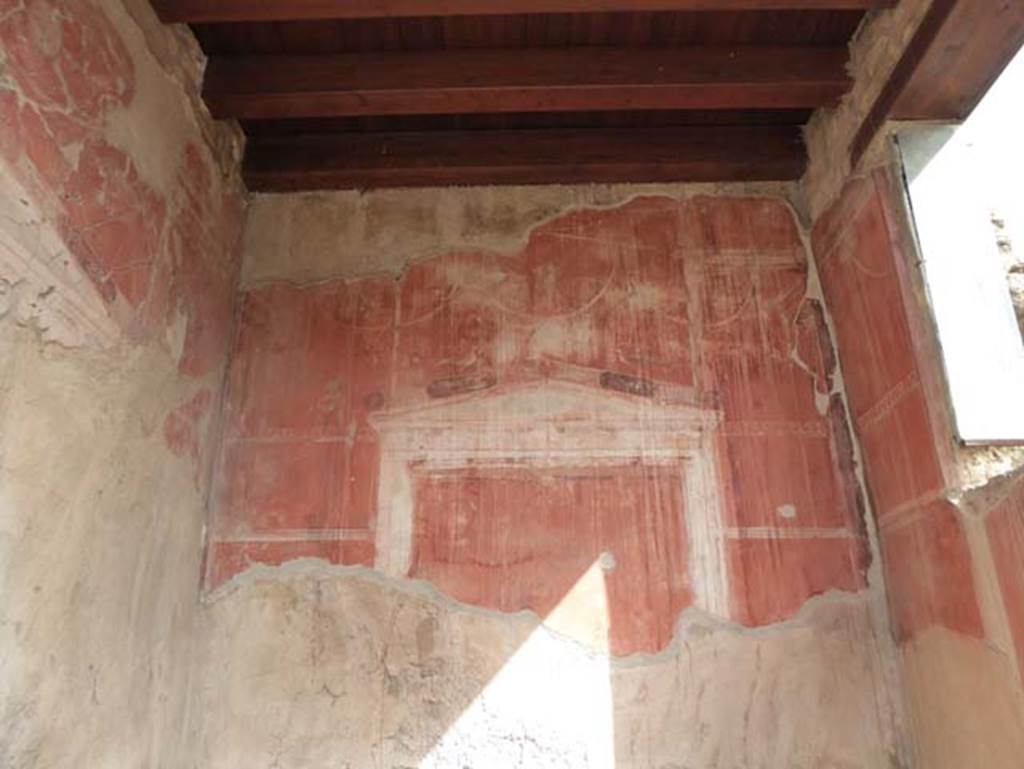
862, 287
740, 227
310, 364
292, 363
442, 334
565, 273
748, 336
119, 220
513, 539
781, 476
928, 572
774, 577
899, 450
1005, 525
753, 386
612, 283
281, 485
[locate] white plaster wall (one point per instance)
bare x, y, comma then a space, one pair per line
100, 533
312, 666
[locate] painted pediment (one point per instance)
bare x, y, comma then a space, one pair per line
548, 414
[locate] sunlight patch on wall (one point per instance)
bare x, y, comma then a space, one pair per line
549, 706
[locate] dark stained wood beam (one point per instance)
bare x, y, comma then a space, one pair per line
534, 80
208, 11
444, 158
958, 50
973, 46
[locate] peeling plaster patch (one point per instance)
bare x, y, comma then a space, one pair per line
155, 110
176, 334
165, 103
607, 561
42, 285
888, 653
150, 243
786, 511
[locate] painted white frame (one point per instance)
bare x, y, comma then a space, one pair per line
555, 424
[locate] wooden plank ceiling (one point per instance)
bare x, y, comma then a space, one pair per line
386, 93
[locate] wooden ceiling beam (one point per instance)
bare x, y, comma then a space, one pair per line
426, 159
956, 53
533, 80
971, 48
210, 11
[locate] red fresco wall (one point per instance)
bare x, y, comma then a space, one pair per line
707, 295
862, 251
154, 255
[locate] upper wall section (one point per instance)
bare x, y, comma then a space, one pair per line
107, 161
646, 385
304, 238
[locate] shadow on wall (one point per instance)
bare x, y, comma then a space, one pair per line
631, 418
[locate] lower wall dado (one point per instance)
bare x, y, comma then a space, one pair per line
343, 666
